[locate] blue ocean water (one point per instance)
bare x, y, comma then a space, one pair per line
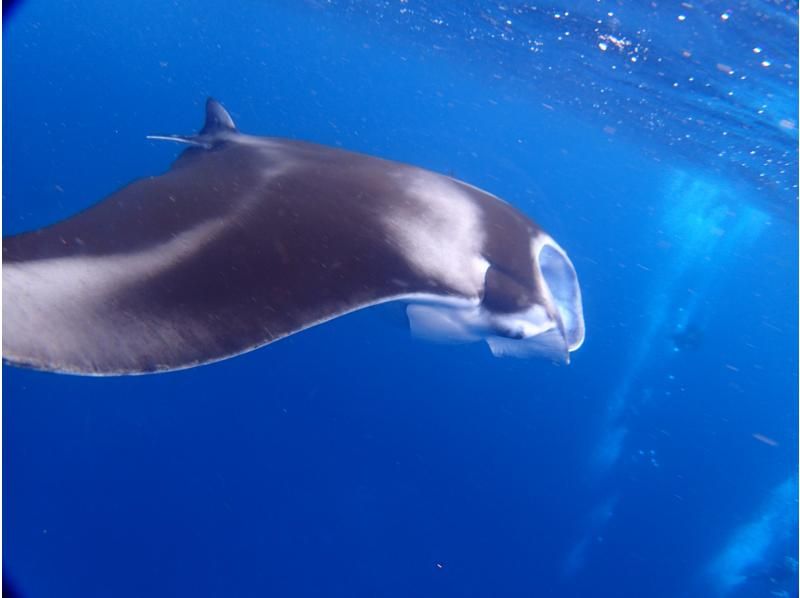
657, 142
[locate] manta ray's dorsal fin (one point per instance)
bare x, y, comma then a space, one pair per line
217, 120
217, 126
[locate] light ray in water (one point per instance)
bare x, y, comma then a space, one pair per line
597, 521
704, 227
751, 543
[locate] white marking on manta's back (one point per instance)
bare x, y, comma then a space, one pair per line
439, 230
63, 298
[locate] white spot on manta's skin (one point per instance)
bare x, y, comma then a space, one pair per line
252, 140
440, 232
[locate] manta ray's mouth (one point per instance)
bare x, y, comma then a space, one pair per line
552, 327
561, 282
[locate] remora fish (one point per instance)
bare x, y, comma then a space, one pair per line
246, 240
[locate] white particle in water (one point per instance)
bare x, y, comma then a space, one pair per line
766, 63
681, 17
756, 50
603, 46
725, 16
724, 68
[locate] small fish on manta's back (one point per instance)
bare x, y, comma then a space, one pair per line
246, 240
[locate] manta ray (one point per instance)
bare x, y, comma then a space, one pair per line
246, 240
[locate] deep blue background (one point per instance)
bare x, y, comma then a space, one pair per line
354, 460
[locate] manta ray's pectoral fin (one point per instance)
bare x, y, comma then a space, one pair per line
218, 127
